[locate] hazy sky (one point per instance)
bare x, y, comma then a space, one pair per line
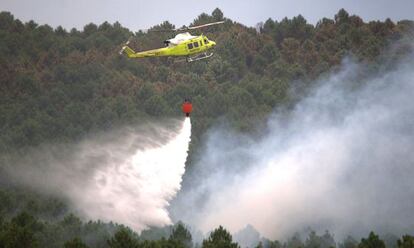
140, 14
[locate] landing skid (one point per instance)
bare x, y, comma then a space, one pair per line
195, 58
199, 57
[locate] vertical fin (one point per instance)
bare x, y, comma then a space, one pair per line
127, 50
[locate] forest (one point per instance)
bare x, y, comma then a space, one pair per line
58, 85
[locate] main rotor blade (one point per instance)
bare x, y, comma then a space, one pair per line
181, 29
160, 30
199, 26
206, 25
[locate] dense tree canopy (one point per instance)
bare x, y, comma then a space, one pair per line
406, 241
58, 85
372, 241
219, 238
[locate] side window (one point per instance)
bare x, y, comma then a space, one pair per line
190, 45
205, 41
195, 44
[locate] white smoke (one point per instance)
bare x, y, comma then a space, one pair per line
342, 161
128, 176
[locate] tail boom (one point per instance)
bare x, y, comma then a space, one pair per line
150, 53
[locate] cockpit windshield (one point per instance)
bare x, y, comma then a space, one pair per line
205, 41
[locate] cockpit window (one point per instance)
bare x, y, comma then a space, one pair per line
205, 41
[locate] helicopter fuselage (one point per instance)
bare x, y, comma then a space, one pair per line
182, 45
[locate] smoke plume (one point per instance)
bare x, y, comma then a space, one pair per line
126, 176
341, 160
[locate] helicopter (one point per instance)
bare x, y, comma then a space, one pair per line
183, 44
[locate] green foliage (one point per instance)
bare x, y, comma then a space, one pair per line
275, 244
373, 241
25, 230
123, 238
217, 14
20, 232
57, 86
316, 241
181, 235
156, 233
219, 238
75, 243
407, 241
349, 242
295, 242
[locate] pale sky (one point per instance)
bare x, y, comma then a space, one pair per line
140, 14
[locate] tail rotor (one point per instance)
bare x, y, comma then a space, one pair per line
125, 46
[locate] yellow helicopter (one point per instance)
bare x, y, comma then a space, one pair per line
184, 44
